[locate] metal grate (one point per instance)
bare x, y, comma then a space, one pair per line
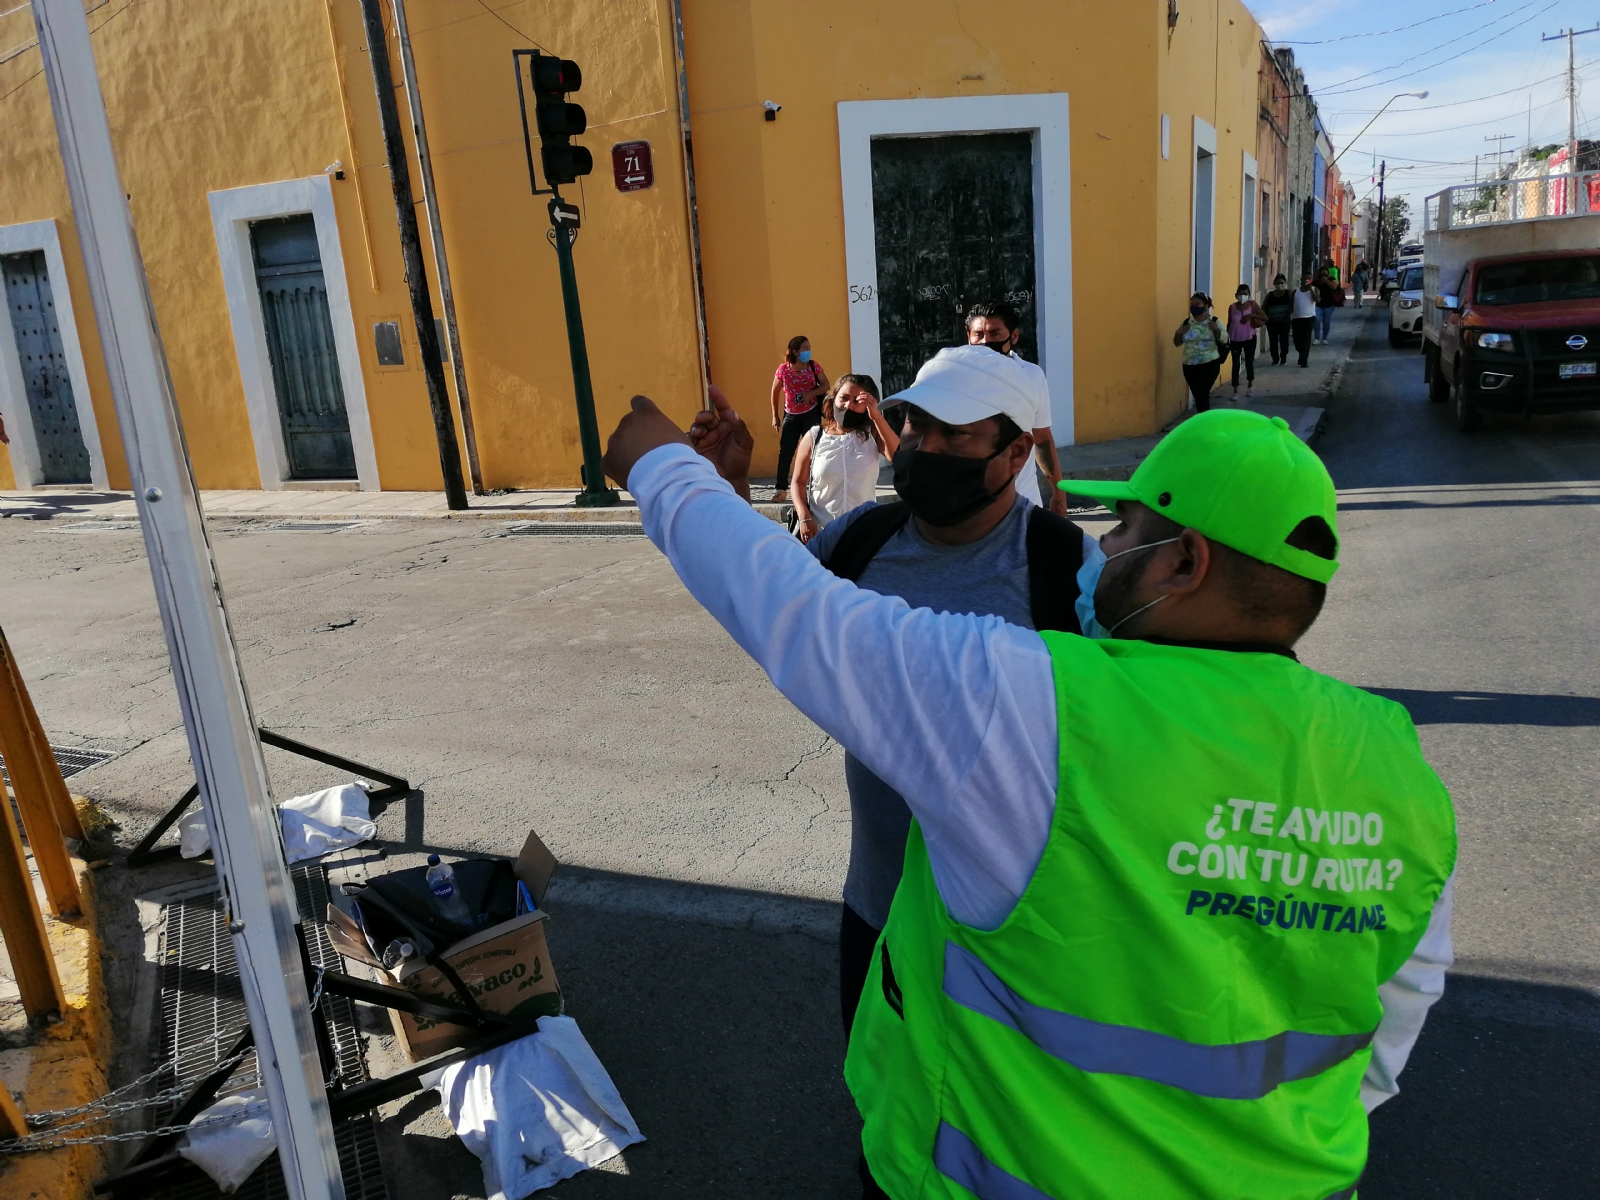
202, 1012
71, 760
314, 526
570, 529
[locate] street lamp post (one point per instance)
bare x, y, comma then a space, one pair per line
1375, 116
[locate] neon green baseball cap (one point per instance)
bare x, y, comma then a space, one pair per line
1239, 477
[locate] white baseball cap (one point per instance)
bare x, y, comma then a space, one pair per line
963, 384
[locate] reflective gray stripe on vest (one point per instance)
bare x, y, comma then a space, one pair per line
1241, 1071
958, 1158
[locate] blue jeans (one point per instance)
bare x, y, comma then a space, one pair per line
1324, 322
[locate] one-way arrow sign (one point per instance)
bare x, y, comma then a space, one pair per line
564, 214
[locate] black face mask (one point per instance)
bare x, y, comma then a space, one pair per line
942, 489
1002, 347
849, 420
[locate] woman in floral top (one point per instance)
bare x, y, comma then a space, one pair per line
1204, 344
798, 386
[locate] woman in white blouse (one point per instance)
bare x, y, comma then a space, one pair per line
836, 464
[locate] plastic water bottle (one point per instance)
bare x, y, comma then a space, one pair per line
397, 952
442, 883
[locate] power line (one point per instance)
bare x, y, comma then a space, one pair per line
1448, 42
1407, 75
1386, 32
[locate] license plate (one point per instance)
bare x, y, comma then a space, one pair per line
1576, 370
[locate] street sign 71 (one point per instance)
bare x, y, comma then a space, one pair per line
632, 167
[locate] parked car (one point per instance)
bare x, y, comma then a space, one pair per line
1405, 307
1411, 250
1520, 334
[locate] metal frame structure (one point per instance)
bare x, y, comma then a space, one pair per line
217, 717
146, 852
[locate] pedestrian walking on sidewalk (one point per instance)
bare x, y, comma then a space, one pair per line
1329, 296
1279, 306
798, 386
1245, 316
1359, 279
836, 465
1204, 344
1302, 316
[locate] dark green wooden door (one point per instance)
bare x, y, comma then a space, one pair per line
63, 457
305, 366
953, 226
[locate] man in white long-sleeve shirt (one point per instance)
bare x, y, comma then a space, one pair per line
1174, 906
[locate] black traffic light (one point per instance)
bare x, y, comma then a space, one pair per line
559, 121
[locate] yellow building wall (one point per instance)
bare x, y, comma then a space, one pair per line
1208, 69
198, 105
772, 228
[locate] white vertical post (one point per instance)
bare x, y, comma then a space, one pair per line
223, 744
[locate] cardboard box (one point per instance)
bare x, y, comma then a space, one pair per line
507, 966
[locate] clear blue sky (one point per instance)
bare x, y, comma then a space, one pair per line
1481, 62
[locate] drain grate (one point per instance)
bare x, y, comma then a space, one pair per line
100, 526
202, 1012
570, 529
71, 760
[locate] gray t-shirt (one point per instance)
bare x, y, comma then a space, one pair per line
987, 576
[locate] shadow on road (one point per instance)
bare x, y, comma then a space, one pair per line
1494, 708
1498, 1099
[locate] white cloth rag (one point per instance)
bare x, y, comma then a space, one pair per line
313, 825
230, 1153
536, 1111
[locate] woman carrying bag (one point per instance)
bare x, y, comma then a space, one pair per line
1204, 343
836, 464
797, 389
1245, 316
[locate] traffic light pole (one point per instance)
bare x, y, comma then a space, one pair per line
595, 494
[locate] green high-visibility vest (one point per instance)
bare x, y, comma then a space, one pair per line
1182, 1002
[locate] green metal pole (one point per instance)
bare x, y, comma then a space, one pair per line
595, 493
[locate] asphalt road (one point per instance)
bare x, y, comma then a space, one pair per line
572, 686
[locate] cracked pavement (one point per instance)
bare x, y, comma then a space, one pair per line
563, 684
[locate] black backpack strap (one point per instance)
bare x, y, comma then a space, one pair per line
859, 544
1055, 553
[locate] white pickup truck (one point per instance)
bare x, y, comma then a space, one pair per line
1511, 296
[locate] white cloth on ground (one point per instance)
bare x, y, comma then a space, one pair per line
231, 1153
536, 1111
325, 821
957, 713
315, 824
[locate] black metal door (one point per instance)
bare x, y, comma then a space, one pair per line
953, 225
305, 366
63, 458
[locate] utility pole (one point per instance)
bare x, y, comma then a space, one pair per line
1499, 148
1572, 92
444, 424
441, 262
1383, 170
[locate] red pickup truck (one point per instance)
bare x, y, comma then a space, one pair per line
1520, 333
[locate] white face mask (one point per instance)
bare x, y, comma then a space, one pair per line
1089, 581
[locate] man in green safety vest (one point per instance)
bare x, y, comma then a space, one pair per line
1174, 905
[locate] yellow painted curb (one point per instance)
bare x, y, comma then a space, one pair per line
66, 1066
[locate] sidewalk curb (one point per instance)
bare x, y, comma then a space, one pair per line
65, 1065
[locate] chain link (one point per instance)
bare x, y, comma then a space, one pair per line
48, 1140
108, 1102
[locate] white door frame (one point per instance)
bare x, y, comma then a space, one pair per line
1249, 218
26, 464
231, 213
1042, 114
1205, 138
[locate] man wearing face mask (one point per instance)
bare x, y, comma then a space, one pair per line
961, 539
998, 326
1174, 906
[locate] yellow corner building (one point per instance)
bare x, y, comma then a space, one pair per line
857, 173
